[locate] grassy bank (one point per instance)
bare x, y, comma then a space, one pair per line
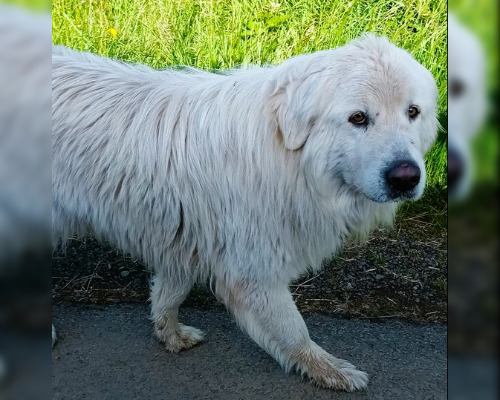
224, 34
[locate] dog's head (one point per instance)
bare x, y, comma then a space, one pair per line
466, 103
362, 115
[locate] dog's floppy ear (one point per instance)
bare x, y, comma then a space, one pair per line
293, 102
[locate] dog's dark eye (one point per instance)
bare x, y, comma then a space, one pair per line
358, 118
413, 112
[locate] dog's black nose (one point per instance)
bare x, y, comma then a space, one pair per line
455, 169
403, 176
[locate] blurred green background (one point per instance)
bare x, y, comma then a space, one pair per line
481, 17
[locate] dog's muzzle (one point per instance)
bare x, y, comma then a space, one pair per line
402, 177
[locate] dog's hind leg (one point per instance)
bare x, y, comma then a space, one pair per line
64, 228
269, 315
168, 291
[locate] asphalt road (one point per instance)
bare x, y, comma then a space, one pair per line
108, 352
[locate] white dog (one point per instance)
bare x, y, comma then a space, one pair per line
246, 179
467, 104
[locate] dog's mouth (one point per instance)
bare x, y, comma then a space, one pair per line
386, 193
390, 195
401, 196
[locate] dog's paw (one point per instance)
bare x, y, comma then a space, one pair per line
183, 338
346, 378
327, 371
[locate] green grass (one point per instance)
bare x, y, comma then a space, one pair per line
430, 212
224, 34
32, 5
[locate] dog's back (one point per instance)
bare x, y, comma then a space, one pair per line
105, 168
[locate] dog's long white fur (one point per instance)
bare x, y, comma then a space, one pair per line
221, 177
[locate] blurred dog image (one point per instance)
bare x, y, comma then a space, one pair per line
25, 188
467, 104
243, 179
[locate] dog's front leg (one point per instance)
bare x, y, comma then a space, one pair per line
168, 290
269, 315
